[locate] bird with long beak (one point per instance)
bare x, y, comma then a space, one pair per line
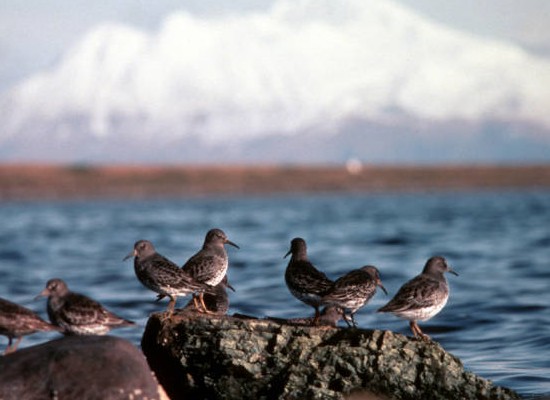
161, 275
304, 281
353, 290
209, 265
422, 297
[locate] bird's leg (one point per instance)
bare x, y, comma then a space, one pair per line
206, 310
11, 348
8, 349
352, 315
413, 325
417, 331
196, 303
14, 347
171, 306
315, 321
346, 319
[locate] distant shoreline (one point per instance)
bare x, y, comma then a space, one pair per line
55, 182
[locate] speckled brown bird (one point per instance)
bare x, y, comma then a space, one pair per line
422, 297
161, 275
77, 314
304, 281
17, 321
353, 290
209, 265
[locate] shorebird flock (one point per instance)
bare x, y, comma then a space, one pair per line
204, 277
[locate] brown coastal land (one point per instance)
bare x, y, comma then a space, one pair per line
53, 182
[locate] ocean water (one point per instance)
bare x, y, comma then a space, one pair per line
497, 319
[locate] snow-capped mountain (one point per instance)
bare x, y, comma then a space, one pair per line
317, 80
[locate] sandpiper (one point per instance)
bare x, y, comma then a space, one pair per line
17, 321
77, 314
161, 275
209, 265
353, 290
422, 297
304, 281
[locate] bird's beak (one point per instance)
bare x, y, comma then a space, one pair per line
286, 255
452, 271
159, 297
231, 243
44, 293
227, 285
131, 254
379, 283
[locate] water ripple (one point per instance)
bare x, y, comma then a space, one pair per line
496, 320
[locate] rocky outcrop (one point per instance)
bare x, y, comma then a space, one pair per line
78, 367
226, 357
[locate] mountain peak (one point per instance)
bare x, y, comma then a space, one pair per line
306, 66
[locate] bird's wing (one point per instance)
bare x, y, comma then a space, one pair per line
80, 310
307, 276
415, 294
168, 272
198, 266
356, 282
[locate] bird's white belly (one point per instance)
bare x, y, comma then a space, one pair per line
422, 314
218, 277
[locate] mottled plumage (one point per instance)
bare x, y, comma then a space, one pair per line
17, 321
161, 275
422, 297
304, 281
209, 265
353, 290
77, 314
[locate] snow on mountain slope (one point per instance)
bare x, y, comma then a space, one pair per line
306, 65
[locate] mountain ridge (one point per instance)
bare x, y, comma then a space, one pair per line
304, 69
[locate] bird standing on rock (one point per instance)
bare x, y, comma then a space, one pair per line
304, 281
353, 290
209, 265
17, 321
77, 314
161, 275
422, 297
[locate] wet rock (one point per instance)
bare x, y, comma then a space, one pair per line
244, 358
78, 367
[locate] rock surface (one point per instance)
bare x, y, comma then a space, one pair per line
78, 367
245, 358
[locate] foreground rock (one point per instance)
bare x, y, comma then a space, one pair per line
239, 358
78, 367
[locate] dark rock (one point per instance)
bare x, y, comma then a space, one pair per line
244, 358
78, 367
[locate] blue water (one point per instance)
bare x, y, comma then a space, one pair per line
497, 319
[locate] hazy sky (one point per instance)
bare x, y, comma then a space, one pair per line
35, 33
